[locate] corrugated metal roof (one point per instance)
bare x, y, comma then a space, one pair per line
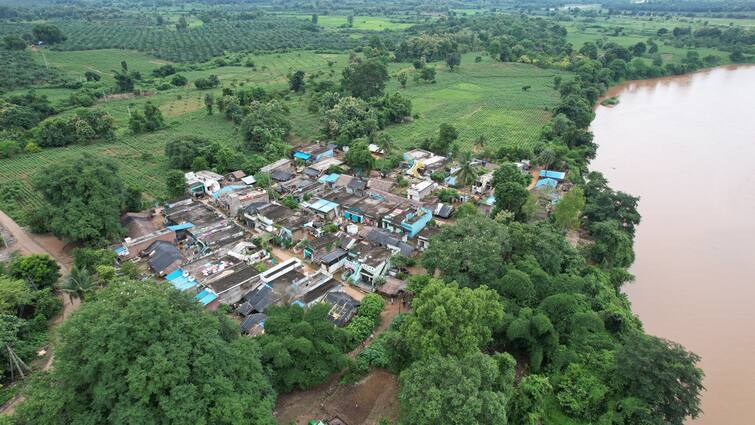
558, 175
182, 226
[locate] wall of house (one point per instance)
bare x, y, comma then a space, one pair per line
417, 226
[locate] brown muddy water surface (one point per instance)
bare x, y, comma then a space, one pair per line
686, 146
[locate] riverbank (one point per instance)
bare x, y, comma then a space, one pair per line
684, 145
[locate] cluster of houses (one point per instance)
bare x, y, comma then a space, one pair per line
341, 231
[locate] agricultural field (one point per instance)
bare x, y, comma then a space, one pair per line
479, 99
369, 23
196, 44
635, 30
140, 158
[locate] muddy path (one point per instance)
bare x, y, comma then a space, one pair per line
27, 243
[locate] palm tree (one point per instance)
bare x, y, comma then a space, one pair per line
78, 283
466, 175
385, 142
547, 157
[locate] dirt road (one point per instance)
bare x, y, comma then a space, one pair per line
26, 243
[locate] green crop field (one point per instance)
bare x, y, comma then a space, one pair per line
140, 158
480, 99
483, 98
370, 23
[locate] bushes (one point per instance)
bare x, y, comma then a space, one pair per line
85, 126
367, 318
207, 83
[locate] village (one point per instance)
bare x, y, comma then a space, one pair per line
314, 233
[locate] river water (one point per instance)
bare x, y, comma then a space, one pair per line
686, 146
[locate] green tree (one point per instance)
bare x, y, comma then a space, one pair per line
402, 78
453, 391
612, 246
145, 353
301, 347
90, 258
510, 189
427, 74
580, 393
265, 124
663, 375
453, 60
467, 175
469, 252
13, 42
359, 157
314, 19
569, 208
84, 197
365, 79
182, 151
78, 283
448, 320
175, 183
47, 33
296, 81
349, 119
208, 102
133, 201
466, 209
350, 21
13, 294
527, 404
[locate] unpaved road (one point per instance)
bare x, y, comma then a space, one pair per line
27, 243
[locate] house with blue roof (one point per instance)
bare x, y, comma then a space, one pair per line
555, 175
314, 152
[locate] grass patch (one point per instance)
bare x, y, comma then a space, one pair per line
479, 99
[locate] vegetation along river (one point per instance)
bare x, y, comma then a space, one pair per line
686, 146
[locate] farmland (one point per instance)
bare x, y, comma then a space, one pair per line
479, 99
199, 43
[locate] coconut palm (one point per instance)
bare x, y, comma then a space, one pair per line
78, 283
466, 174
385, 142
547, 157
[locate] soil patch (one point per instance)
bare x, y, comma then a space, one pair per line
366, 402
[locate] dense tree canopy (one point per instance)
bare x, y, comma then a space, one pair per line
84, 199
449, 320
365, 79
459, 391
301, 347
470, 252
146, 353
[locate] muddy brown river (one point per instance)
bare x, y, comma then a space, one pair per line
686, 146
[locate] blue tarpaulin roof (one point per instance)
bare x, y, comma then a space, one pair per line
547, 182
558, 175
490, 200
302, 155
206, 296
451, 180
179, 281
175, 274
329, 178
120, 250
182, 226
183, 283
225, 189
